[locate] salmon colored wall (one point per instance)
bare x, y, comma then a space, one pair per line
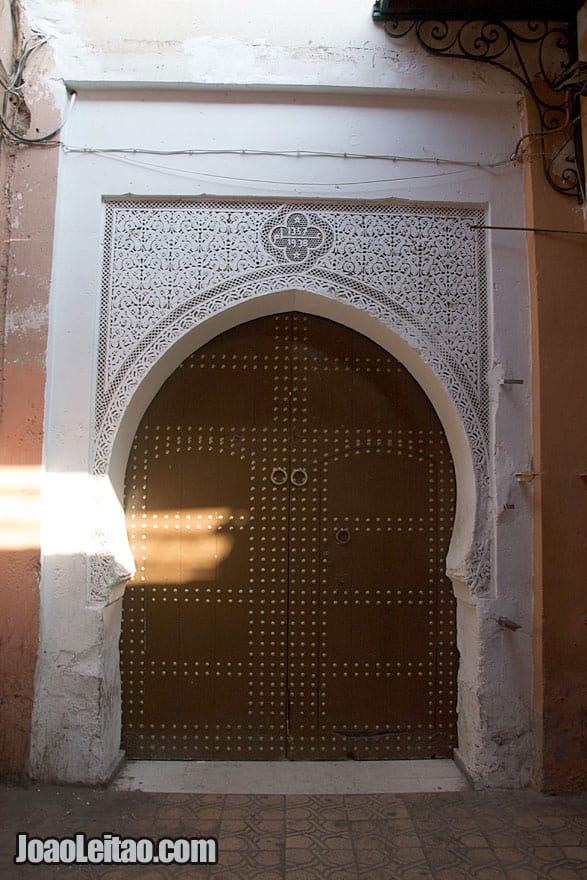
558, 274
26, 227
20, 443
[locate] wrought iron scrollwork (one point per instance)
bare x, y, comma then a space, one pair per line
538, 54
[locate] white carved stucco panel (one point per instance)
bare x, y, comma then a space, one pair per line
417, 268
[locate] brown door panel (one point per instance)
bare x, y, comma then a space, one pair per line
290, 498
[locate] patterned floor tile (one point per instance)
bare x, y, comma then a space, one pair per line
576, 854
225, 874
411, 873
573, 834
387, 840
463, 873
523, 874
563, 873
314, 815
297, 858
489, 873
313, 825
460, 858
399, 859
541, 859
250, 859
314, 874
486, 836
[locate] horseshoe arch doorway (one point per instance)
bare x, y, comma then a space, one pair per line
290, 499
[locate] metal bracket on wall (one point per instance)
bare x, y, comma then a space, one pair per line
540, 54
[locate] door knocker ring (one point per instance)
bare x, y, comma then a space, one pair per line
279, 476
299, 476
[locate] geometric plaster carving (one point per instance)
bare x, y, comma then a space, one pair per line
418, 268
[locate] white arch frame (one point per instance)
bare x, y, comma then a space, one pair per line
170, 275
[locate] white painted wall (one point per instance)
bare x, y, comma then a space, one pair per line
303, 79
303, 44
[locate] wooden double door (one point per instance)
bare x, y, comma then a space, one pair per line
290, 499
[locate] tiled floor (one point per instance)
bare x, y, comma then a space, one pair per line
291, 777
445, 836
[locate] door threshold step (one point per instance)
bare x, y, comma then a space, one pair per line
290, 777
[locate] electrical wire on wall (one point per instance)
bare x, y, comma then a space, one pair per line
13, 94
130, 156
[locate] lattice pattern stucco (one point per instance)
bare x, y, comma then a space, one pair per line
419, 269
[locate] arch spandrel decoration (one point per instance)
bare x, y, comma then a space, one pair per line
171, 264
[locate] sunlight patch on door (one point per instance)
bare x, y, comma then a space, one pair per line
183, 546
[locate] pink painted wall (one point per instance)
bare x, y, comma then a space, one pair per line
27, 206
558, 274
